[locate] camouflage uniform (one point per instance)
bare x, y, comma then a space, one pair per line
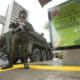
16, 43
20, 40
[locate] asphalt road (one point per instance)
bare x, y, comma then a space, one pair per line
30, 74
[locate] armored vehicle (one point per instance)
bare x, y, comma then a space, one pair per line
38, 48
22, 42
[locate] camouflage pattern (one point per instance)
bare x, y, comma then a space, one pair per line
6, 38
22, 41
19, 42
16, 42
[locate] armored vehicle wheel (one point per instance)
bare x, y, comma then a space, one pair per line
49, 55
35, 56
43, 55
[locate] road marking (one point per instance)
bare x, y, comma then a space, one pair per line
43, 67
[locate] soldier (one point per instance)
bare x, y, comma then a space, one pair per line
19, 40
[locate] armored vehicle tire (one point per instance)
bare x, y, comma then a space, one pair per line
49, 55
35, 56
43, 55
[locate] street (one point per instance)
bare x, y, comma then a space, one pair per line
30, 74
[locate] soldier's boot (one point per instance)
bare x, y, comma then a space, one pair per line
26, 65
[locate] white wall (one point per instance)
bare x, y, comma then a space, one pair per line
71, 57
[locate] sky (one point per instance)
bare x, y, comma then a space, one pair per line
37, 15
